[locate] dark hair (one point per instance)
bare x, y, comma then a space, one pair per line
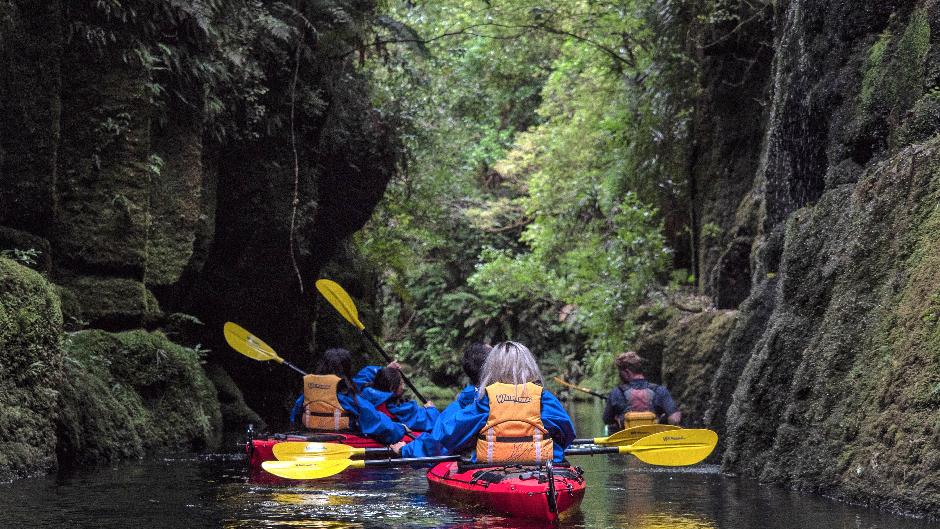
337, 361
473, 357
387, 379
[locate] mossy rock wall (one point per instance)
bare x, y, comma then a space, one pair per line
131, 393
842, 392
686, 352
150, 191
30, 371
828, 376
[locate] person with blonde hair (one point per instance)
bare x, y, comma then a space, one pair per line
514, 420
636, 401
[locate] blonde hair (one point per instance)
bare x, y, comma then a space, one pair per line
509, 363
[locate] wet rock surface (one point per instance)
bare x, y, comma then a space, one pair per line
828, 377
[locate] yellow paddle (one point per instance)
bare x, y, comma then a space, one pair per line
343, 303
253, 347
579, 388
627, 436
673, 448
298, 450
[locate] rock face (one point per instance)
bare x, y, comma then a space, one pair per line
120, 187
827, 377
92, 396
139, 206
128, 394
30, 371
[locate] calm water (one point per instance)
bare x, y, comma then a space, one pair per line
195, 493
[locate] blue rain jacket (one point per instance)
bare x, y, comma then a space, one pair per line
410, 413
366, 420
466, 397
458, 431
366, 375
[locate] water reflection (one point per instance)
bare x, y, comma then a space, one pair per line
199, 493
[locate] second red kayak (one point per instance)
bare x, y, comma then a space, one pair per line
261, 449
517, 491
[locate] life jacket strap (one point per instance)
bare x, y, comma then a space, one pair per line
336, 414
507, 439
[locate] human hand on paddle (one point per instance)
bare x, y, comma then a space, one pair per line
344, 305
397, 447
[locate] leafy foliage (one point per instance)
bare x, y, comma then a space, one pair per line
542, 138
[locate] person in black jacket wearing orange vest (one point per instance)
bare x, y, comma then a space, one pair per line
637, 401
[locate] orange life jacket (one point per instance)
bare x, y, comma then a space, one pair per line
322, 410
514, 432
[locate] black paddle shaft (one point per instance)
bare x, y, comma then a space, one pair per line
295, 368
394, 462
388, 359
592, 450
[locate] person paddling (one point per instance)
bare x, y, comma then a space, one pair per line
637, 401
474, 356
385, 393
513, 420
331, 403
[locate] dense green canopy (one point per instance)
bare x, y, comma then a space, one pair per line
545, 152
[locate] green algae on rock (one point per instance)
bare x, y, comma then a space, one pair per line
236, 415
130, 393
30, 369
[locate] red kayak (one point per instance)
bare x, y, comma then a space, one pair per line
523, 492
261, 449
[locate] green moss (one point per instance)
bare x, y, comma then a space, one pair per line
129, 393
176, 197
893, 79
923, 121
108, 300
30, 367
910, 61
104, 182
236, 415
875, 69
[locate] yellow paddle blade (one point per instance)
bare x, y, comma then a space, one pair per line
628, 436
310, 469
248, 344
340, 301
674, 448
296, 450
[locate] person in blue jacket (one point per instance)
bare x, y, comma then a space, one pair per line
365, 419
507, 363
474, 356
385, 394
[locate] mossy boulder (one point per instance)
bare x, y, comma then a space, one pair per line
130, 393
236, 415
110, 302
685, 350
30, 369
